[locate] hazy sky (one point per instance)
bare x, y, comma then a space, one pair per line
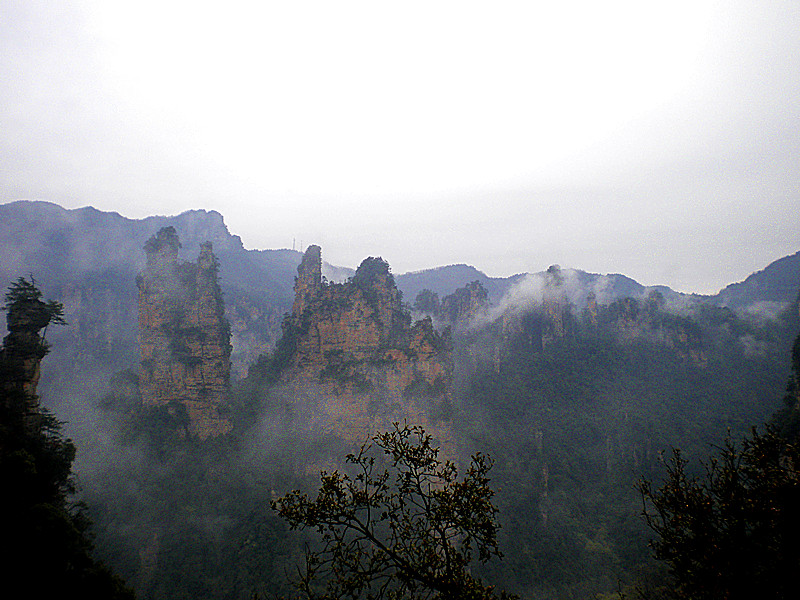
656, 139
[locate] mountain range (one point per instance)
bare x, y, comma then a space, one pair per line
575, 383
88, 260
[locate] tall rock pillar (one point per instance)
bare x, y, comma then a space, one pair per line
184, 337
308, 281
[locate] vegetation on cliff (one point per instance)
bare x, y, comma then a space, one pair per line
572, 424
46, 546
350, 362
371, 272
732, 531
576, 395
184, 337
574, 420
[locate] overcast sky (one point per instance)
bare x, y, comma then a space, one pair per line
656, 139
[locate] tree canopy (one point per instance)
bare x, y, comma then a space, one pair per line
27, 314
732, 531
402, 526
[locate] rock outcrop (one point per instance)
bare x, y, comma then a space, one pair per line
23, 348
466, 305
356, 362
184, 337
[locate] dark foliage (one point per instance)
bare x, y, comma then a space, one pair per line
46, 549
409, 530
427, 302
787, 420
573, 423
166, 236
371, 272
732, 532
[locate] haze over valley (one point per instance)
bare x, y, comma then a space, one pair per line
200, 381
425, 300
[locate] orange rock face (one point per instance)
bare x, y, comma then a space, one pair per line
358, 364
184, 337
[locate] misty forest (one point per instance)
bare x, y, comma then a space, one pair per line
183, 418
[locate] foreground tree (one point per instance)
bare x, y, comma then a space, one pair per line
734, 531
408, 529
45, 550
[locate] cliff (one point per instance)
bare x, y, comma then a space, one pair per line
356, 363
557, 309
23, 348
184, 337
465, 305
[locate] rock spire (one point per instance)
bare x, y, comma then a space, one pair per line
357, 363
184, 337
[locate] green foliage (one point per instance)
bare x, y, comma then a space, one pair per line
344, 369
409, 530
427, 302
266, 371
734, 531
371, 272
574, 423
194, 520
787, 420
27, 315
460, 301
166, 236
23, 299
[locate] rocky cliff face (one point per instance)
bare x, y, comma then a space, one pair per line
184, 336
646, 321
22, 351
357, 363
465, 305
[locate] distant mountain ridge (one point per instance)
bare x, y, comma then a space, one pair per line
777, 282
42, 236
88, 260
445, 280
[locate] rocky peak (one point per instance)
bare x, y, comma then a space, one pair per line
592, 309
356, 362
184, 336
162, 250
309, 279
465, 304
207, 261
554, 276
376, 283
24, 347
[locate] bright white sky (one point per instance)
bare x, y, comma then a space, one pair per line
659, 140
